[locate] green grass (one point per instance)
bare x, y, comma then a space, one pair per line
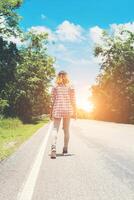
13, 133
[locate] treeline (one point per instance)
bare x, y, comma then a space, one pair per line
113, 93
82, 114
26, 69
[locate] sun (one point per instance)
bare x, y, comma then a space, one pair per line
85, 105
83, 98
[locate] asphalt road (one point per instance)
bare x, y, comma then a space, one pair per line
99, 166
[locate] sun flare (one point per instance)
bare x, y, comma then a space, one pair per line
85, 105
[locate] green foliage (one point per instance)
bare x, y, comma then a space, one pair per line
113, 94
9, 54
13, 133
9, 58
34, 75
9, 18
82, 114
25, 71
3, 105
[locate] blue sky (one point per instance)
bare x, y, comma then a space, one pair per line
75, 25
84, 12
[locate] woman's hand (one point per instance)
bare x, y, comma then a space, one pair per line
74, 116
50, 116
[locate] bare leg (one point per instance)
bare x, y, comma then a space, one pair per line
66, 123
55, 129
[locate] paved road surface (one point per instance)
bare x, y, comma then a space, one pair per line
99, 166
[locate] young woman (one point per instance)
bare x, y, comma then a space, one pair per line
63, 107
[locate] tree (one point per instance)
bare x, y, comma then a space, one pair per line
9, 18
33, 77
25, 71
113, 93
9, 58
9, 53
82, 114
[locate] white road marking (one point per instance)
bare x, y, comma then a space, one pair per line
27, 192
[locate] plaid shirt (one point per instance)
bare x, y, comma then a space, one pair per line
63, 101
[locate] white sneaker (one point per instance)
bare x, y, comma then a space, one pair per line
53, 152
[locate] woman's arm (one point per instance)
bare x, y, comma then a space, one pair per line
52, 101
73, 101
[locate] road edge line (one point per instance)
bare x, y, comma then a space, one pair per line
26, 192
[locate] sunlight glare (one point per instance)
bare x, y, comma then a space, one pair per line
85, 105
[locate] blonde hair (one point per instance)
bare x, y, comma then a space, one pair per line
62, 78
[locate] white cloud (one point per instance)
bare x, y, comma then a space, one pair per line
43, 29
39, 29
78, 59
2, 22
126, 26
116, 29
16, 40
61, 48
69, 32
43, 16
72, 50
95, 34
65, 32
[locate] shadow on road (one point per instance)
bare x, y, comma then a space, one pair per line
63, 155
60, 154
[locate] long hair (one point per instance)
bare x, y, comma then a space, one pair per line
62, 78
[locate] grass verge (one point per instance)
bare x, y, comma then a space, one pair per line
13, 133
